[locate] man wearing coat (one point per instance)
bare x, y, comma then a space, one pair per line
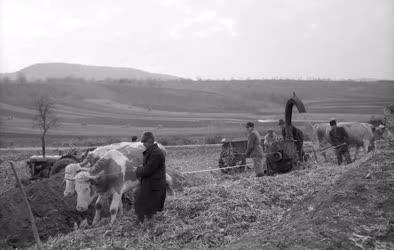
254, 149
340, 139
150, 196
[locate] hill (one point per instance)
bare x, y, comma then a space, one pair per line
181, 106
87, 72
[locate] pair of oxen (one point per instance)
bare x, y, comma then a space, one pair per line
361, 135
109, 170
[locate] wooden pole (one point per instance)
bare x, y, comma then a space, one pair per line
33, 222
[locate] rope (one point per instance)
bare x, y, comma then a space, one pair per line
190, 172
84, 179
332, 147
214, 169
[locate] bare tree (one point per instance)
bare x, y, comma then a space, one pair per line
45, 118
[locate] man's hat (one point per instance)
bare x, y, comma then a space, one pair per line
146, 136
333, 121
281, 122
250, 125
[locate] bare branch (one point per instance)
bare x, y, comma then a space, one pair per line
45, 118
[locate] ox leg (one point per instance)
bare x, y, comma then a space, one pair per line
114, 208
120, 207
356, 153
324, 154
367, 145
314, 154
98, 207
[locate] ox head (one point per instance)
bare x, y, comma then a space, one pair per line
385, 133
90, 159
85, 190
69, 176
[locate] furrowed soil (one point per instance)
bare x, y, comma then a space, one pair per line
53, 213
357, 212
318, 207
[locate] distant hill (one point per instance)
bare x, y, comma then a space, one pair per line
63, 70
179, 106
182, 95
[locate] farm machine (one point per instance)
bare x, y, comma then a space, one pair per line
233, 154
284, 156
44, 167
281, 156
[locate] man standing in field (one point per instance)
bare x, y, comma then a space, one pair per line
150, 197
340, 140
254, 149
297, 135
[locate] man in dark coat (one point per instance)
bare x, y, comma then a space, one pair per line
150, 197
254, 149
340, 139
298, 137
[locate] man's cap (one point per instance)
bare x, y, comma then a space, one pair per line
333, 121
250, 125
281, 122
146, 136
270, 131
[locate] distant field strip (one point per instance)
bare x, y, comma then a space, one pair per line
84, 148
307, 143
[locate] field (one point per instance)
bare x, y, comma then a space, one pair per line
298, 210
18, 132
289, 211
98, 112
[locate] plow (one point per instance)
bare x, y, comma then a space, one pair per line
43, 167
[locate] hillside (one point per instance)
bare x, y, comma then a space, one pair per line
87, 72
355, 212
180, 106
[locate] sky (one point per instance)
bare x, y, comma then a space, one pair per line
214, 39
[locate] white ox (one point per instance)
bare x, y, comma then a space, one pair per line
360, 135
115, 174
129, 149
385, 133
71, 169
95, 155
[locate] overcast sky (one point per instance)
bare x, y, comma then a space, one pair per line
204, 38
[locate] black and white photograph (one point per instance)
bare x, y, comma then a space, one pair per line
185, 124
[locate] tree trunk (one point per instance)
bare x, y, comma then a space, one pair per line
43, 144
